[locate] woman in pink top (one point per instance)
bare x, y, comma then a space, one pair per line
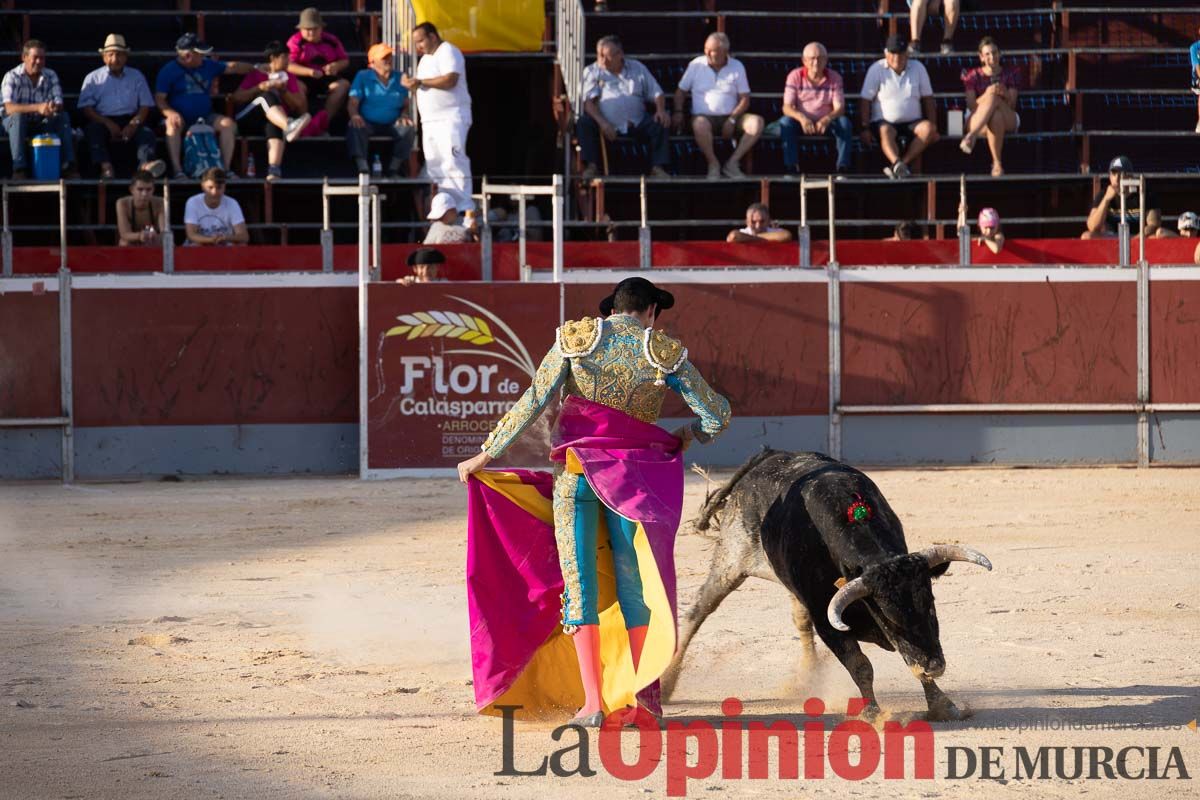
992, 102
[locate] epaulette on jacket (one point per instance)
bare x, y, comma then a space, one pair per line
579, 337
664, 354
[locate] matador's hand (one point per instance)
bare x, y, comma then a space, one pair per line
684, 435
472, 465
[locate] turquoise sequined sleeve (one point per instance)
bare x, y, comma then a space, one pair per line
712, 408
546, 383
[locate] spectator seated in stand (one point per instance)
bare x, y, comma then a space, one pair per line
445, 228
897, 104
904, 232
379, 107
33, 104
266, 99
990, 234
991, 96
919, 11
759, 227
212, 217
1194, 60
141, 218
814, 104
1189, 225
425, 264
615, 93
115, 99
183, 93
720, 94
1105, 217
318, 60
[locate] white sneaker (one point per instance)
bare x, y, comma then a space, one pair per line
901, 170
714, 172
296, 127
1198, 127
888, 171
732, 170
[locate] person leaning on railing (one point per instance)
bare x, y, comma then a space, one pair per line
1105, 217
759, 227
141, 217
211, 217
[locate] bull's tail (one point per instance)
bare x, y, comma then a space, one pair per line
716, 501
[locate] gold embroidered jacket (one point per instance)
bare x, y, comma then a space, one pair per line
620, 364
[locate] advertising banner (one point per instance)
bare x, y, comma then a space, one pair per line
478, 25
446, 361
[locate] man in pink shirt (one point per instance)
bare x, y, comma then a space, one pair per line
318, 60
814, 104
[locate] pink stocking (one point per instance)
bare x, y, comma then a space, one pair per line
587, 650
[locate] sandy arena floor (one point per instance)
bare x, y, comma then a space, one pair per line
308, 638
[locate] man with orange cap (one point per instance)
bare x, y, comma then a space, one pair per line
379, 107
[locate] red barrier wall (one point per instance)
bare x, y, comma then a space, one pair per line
29, 355
914, 343
463, 261
1174, 341
215, 356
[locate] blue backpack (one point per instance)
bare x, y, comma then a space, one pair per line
200, 149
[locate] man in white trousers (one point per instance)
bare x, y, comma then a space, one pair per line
444, 105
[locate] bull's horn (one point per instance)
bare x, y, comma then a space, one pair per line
853, 590
941, 553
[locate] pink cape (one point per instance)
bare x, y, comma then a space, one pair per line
519, 654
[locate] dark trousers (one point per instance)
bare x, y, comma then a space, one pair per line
98, 140
358, 143
648, 131
21, 127
841, 129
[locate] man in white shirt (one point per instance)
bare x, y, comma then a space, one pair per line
897, 103
720, 98
759, 227
212, 217
615, 92
444, 105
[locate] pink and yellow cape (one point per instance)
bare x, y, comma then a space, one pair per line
519, 653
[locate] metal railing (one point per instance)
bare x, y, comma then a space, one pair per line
6, 244
523, 192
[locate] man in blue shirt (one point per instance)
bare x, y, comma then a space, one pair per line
116, 100
183, 93
377, 105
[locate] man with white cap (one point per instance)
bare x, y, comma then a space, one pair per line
445, 228
444, 105
115, 99
183, 93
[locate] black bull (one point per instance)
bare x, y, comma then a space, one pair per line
824, 530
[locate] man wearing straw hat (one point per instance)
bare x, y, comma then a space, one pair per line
116, 100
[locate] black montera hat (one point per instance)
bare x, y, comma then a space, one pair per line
662, 298
426, 255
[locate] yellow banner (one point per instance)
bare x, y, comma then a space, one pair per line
476, 25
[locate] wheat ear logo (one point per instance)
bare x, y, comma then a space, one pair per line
469, 329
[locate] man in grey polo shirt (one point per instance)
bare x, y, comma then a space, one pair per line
615, 93
897, 102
